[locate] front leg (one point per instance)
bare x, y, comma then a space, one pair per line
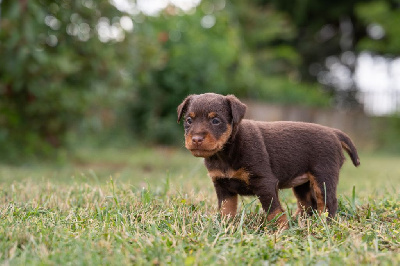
227, 201
266, 189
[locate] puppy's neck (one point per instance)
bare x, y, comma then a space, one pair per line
225, 154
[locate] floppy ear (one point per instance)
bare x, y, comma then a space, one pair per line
182, 107
238, 109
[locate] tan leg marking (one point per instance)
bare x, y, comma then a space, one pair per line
282, 221
318, 194
229, 206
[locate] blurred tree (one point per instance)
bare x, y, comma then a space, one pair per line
269, 36
205, 51
298, 36
321, 36
380, 18
52, 67
198, 53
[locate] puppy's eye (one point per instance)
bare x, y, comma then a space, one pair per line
189, 120
215, 121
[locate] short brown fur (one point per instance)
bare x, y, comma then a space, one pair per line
246, 157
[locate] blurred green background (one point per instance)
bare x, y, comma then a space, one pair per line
108, 73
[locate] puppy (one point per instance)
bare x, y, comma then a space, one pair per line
246, 157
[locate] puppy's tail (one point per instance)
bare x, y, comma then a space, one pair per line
348, 146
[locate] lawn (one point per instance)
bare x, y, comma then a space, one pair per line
157, 206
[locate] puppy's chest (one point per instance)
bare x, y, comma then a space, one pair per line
221, 170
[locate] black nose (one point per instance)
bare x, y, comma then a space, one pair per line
197, 140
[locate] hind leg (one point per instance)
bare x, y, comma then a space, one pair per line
306, 201
324, 186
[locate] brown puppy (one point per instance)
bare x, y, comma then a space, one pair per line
246, 157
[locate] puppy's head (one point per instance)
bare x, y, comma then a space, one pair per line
210, 120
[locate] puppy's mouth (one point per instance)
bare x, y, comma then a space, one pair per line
203, 153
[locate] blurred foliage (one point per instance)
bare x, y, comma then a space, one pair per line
192, 59
327, 30
321, 28
53, 67
74, 66
380, 18
221, 57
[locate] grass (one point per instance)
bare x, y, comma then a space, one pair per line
157, 206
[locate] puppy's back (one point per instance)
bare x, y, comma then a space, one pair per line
293, 147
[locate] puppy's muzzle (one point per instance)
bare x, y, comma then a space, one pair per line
197, 140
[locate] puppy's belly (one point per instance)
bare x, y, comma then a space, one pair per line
297, 181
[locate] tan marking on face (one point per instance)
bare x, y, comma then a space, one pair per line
282, 221
229, 206
192, 114
206, 149
318, 194
212, 115
210, 145
188, 141
240, 174
224, 137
